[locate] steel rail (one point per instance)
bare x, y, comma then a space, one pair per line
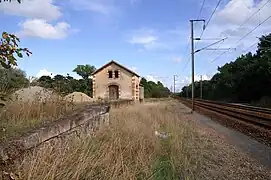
252, 108
249, 114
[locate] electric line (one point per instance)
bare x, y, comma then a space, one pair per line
254, 13
242, 38
218, 3
210, 45
242, 25
250, 47
253, 29
210, 18
202, 5
188, 59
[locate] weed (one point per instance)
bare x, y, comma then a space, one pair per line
127, 149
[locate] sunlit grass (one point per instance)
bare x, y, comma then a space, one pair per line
19, 116
126, 149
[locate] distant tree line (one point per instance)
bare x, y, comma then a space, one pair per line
67, 84
245, 80
154, 90
12, 79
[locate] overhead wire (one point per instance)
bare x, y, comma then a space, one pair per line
253, 29
210, 18
254, 13
242, 38
201, 8
249, 47
250, 17
188, 59
245, 36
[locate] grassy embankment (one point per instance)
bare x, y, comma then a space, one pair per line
17, 117
127, 149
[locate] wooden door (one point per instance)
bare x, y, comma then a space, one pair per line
113, 92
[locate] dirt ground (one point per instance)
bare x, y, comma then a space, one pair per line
223, 160
129, 149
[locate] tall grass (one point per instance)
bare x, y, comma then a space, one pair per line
126, 149
19, 116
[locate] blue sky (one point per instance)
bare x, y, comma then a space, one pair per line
148, 36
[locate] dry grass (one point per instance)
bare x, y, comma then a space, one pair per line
127, 149
18, 116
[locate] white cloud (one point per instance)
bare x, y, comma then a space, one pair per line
156, 46
133, 68
147, 39
105, 7
42, 9
204, 77
177, 59
186, 80
231, 18
150, 39
44, 72
40, 28
231, 12
226, 22
166, 81
151, 78
39, 13
143, 39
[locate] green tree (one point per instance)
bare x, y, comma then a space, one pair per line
84, 71
245, 80
45, 81
67, 84
154, 90
11, 80
8, 48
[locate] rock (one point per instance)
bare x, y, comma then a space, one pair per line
162, 135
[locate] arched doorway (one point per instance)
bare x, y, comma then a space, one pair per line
113, 92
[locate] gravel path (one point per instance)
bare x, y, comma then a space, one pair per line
229, 154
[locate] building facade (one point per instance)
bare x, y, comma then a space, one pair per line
114, 81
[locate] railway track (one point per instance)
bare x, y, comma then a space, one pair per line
250, 120
254, 115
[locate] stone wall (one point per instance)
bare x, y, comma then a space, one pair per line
126, 82
83, 121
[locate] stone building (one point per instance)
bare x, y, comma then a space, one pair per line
114, 81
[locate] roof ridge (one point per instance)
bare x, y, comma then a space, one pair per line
118, 64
